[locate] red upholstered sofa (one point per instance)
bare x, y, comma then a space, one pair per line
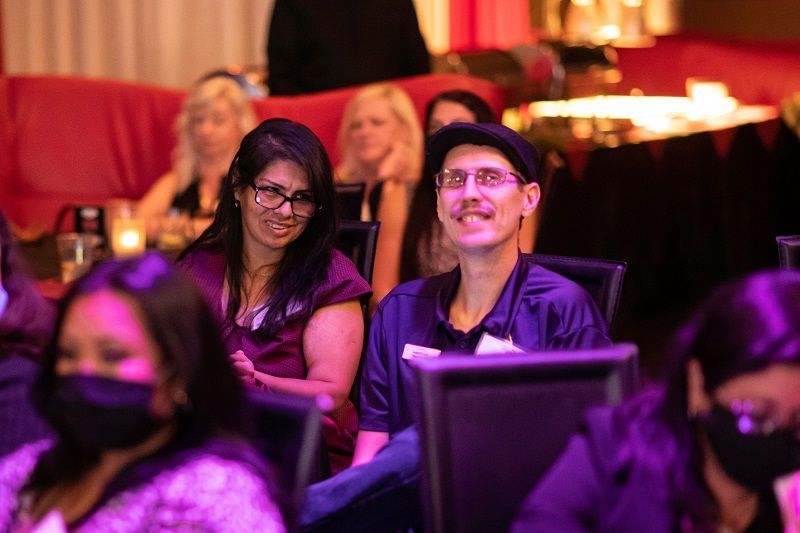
756, 72
76, 140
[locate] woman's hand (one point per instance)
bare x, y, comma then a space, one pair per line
244, 367
331, 367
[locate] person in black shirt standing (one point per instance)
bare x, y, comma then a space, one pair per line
315, 46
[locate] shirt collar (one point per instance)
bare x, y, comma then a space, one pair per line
500, 319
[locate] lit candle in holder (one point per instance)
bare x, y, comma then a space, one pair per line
128, 236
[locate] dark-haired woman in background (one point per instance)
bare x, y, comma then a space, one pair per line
148, 414
26, 320
702, 454
426, 250
287, 300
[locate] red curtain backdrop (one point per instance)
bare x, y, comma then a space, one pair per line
481, 24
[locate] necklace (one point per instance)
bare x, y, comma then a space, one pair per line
263, 272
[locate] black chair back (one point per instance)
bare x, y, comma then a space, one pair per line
82, 218
601, 278
492, 426
349, 197
789, 251
288, 434
358, 240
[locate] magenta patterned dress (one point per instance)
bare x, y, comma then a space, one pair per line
283, 356
207, 493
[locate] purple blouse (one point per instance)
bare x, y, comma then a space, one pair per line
205, 493
283, 356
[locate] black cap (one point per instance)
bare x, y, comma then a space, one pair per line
522, 154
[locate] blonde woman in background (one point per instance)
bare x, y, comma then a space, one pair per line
381, 143
215, 116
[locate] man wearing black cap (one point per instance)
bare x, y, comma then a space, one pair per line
486, 184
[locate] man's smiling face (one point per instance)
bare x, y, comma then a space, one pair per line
478, 216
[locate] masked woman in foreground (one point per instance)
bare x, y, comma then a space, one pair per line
702, 454
148, 412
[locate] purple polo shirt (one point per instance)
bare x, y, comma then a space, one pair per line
537, 308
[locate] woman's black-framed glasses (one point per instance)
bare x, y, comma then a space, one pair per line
271, 198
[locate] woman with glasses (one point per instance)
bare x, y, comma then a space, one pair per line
287, 301
703, 453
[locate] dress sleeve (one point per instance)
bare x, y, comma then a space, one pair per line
216, 495
343, 283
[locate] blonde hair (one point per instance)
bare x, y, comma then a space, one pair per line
202, 94
350, 169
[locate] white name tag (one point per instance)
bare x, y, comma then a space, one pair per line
412, 351
489, 344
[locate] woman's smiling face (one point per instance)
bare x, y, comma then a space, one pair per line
267, 232
374, 129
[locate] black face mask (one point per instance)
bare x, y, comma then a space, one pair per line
754, 461
101, 413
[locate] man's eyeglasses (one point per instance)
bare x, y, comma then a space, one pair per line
271, 198
759, 418
453, 178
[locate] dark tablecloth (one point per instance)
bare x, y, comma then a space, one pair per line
685, 213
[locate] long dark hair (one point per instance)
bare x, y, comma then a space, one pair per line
178, 319
744, 326
26, 324
419, 227
303, 267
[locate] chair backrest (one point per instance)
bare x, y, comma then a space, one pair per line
492, 425
601, 278
288, 434
357, 240
349, 197
81, 218
789, 251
